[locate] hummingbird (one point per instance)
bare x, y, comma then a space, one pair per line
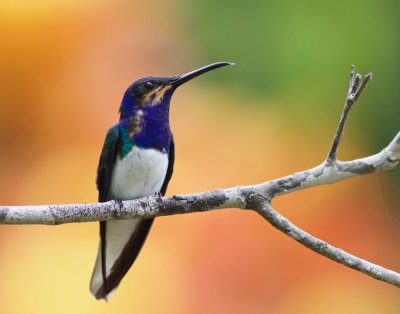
137, 160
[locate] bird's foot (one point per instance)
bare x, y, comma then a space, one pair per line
158, 197
119, 202
158, 194
120, 207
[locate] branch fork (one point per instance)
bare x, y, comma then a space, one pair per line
253, 197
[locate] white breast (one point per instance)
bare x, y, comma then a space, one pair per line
140, 173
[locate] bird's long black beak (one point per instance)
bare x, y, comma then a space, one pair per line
179, 80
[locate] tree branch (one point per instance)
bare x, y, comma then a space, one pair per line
327, 250
253, 197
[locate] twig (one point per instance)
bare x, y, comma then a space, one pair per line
353, 94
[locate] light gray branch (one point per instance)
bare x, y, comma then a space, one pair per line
253, 197
325, 249
355, 90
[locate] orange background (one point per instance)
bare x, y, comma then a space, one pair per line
64, 67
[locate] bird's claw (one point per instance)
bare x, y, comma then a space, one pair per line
119, 202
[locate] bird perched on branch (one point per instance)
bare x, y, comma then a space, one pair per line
137, 160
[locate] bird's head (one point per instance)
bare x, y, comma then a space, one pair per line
152, 91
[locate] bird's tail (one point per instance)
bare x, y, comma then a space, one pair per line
120, 244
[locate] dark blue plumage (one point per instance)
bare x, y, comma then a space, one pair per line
155, 132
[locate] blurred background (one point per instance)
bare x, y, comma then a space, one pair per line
64, 66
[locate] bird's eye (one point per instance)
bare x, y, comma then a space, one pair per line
149, 85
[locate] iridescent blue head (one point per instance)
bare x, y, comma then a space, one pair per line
144, 111
152, 91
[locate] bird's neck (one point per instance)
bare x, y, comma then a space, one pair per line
147, 128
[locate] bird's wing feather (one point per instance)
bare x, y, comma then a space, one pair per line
103, 182
106, 163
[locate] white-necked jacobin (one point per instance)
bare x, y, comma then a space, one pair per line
137, 160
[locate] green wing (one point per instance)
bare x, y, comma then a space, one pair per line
106, 163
